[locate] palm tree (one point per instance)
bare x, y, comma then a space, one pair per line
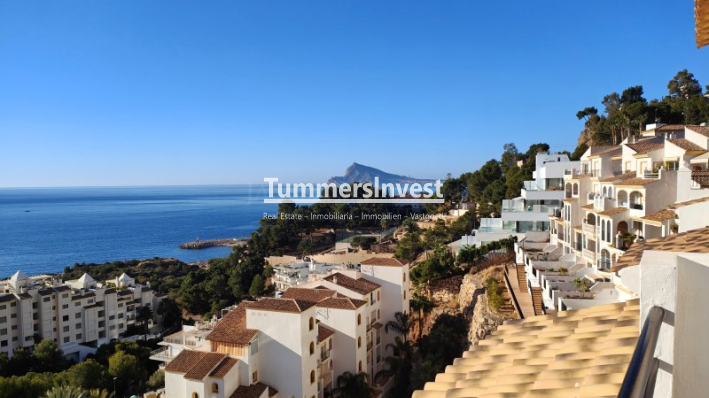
401, 325
351, 385
98, 393
65, 392
423, 305
583, 285
398, 366
145, 314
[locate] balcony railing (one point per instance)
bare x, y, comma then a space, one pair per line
324, 355
370, 345
651, 176
604, 263
641, 375
637, 206
589, 228
589, 254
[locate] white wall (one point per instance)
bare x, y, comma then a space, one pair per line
394, 282
176, 385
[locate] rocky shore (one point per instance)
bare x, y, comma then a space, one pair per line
203, 244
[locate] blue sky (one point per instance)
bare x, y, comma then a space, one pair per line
219, 92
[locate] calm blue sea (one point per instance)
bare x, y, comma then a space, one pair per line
45, 229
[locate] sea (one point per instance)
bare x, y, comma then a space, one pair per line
42, 230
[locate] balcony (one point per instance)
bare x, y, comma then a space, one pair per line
589, 228
324, 355
370, 345
603, 264
162, 354
589, 255
651, 176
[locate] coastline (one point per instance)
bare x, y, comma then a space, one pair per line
204, 244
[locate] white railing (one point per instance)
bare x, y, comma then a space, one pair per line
589, 228
589, 254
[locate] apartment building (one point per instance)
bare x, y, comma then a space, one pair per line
301, 271
297, 344
76, 314
648, 187
538, 198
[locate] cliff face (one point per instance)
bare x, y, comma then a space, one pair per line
361, 173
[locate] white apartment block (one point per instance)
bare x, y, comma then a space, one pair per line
299, 272
650, 186
298, 344
76, 314
538, 198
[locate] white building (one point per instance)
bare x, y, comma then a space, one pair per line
298, 344
299, 272
530, 211
76, 314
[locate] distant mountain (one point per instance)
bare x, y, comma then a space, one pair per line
361, 173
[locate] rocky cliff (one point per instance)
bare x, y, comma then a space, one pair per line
361, 173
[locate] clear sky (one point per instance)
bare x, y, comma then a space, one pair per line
218, 92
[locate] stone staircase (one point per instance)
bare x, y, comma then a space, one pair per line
521, 278
581, 353
537, 301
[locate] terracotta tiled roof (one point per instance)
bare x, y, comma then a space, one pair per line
671, 127
646, 146
588, 206
377, 325
604, 150
223, 367
570, 200
634, 182
232, 328
205, 365
613, 211
623, 176
184, 361
661, 215
361, 285
703, 130
383, 261
253, 391
551, 356
310, 295
577, 227
343, 303
695, 241
689, 203
685, 144
324, 332
281, 305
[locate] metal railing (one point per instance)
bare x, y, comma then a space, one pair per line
639, 381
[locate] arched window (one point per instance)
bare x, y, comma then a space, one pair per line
576, 189
609, 235
215, 388
360, 366
195, 395
359, 319
312, 348
603, 230
359, 342
311, 323
312, 376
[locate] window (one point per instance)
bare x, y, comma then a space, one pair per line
312, 348
254, 376
3, 319
14, 327
65, 295
254, 347
2, 307
66, 329
65, 318
78, 336
360, 366
13, 316
359, 319
311, 324
404, 276
312, 376
77, 303
13, 304
77, 326
359, 342
46, 299
77, 315
65, 306
404, 294
378, 295
112, 317
195, 395
3, 332
379, 314
66, 339
120, 305
215, 388
34, 305
15, 338
4, 343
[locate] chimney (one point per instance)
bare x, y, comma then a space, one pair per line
334, 279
